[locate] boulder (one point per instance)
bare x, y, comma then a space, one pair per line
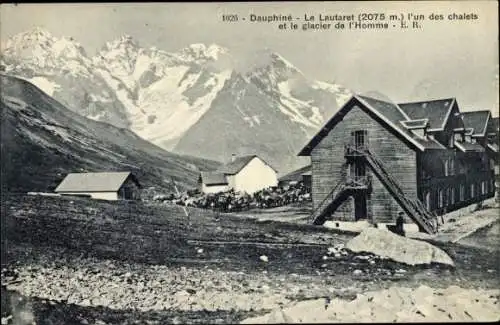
386, 244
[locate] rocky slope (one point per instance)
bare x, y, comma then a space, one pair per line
42, 141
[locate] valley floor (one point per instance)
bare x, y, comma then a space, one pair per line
90, 262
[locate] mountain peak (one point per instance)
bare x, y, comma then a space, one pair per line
38, 32
42, 49
199, 51
33, 36
123, 41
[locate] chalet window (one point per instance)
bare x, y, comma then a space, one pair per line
446, 171
483, 187
458, 137
452, 166
440, 198
462, 192
359, 138
468, 138
472, 190
472, 140
428, 200
452, 196
450, 142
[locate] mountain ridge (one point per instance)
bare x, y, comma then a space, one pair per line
42, 141
172, 99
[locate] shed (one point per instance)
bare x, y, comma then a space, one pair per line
213, 182
103, 185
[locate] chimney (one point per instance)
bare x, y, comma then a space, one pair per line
233, 157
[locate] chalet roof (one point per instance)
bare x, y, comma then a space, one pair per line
296, 174
93, 182
213, 178
437, 111
469, 131
235, 166
400, 120
416, 124
493, 147
494, 123
477, 120
469, 147
387, 113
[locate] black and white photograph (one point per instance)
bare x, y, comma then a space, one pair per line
249, 162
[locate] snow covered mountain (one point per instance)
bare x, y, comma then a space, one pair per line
176, 99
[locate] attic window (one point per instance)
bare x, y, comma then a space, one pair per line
458, 137
424, 105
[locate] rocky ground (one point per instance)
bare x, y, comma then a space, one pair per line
396, 304
133, 270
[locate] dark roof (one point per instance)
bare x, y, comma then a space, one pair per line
437, 111
467, 146
213, 178
493, 147
388, 114
469, 131
93, 182
494, 123
390, 110
397, 118
296, 175
235, 166
477, 120
416, 124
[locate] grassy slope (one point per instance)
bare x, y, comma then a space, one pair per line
42, 140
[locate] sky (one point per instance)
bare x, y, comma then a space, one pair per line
448, 58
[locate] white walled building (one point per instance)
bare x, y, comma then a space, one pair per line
243, 174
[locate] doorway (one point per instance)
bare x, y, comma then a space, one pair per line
360, 207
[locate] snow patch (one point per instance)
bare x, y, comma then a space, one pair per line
47, 86
165, 100
256, 119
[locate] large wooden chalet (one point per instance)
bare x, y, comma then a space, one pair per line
374, 158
